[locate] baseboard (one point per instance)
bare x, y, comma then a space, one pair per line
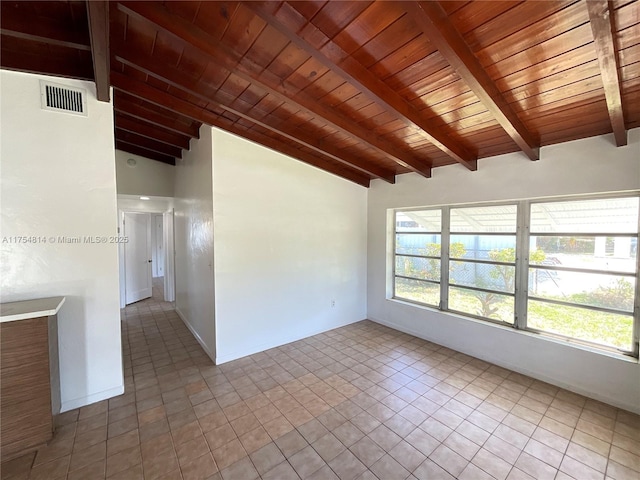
277, 343
196, 335
89, 399
516, 368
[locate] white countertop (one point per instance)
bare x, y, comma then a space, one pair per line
40, 307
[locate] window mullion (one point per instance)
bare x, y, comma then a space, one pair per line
444, 258
522, 265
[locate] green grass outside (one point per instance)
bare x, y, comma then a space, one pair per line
598, 327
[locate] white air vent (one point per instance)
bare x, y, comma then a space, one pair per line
62, 98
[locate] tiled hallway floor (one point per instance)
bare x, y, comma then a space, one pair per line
359, 402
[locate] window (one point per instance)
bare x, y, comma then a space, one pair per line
482, 256
417, 256
583, 283
566, 268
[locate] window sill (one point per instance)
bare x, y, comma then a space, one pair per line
538, 335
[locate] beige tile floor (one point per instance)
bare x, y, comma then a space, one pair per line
358, 402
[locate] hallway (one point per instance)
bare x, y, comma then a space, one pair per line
358, 402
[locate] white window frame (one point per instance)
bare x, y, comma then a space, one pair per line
486, 233
521, 291
394, 274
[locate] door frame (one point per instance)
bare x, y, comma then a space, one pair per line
169, 251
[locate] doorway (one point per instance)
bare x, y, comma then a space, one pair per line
146, 258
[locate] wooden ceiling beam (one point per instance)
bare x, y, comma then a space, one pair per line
67, 66
148, 143
157, 97
143, 152
153, 132
35, 37
154, 115
174, 77
434, 22
98, 15
16, 22
600, 18
332, 56
161, 98
251, 72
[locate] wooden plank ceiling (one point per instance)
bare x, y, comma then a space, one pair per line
360, 89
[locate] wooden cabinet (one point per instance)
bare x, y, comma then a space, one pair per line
29, 376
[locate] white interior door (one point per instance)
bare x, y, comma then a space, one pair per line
137, 256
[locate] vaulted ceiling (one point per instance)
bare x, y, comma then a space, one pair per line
360, 89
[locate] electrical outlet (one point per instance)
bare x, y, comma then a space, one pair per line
333, 303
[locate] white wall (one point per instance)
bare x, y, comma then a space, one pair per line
579, 167
194, 240
58, 179
289, 239
148, 177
